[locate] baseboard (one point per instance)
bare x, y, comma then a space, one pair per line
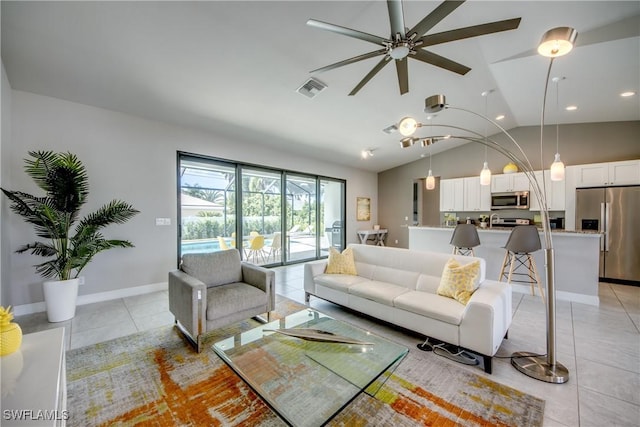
561, 295
38, 307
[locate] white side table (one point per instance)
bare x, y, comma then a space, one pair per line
34, 389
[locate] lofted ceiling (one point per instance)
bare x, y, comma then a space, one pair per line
234, 67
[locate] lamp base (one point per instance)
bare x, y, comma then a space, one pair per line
537, 367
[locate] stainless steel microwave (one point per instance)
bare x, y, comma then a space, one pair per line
510, 200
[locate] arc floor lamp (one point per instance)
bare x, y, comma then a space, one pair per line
555, 42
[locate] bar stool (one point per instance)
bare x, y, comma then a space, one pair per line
522, 242
464, 239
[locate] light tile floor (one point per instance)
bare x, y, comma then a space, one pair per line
599, 345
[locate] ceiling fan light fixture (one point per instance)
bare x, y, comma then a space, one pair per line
400, 51
557, 42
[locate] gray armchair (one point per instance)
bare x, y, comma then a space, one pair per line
212, 290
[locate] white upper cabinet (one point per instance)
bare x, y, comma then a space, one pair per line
555, 193
509, 182
476, 197
451, 195
603, 174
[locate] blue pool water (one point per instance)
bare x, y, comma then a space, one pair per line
203, 246
200, 247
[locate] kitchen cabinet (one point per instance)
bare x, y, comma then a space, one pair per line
605, 174
555, 193
476, 197
509, 182
451, 195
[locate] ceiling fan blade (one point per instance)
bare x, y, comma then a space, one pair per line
384, 61
440, 61
347, 32
438, 14
467, 32
396, 17
403, 75
351, 60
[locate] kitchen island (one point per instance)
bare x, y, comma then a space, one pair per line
577, 258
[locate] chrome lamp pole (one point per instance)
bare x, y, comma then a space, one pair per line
555, 42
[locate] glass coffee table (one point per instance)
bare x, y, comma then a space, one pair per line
307, 382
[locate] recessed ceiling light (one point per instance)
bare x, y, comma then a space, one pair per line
367, 153
500, 117
571, 108
627, 94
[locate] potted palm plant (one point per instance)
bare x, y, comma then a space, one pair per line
69, 243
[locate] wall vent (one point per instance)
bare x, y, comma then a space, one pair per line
311, 87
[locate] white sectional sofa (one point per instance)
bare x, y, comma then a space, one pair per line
399, 286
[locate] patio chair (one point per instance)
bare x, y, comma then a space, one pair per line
256, 249
223, 243
293, 230
276, 246
215, 289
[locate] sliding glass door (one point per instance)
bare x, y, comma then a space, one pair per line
272, 216
207, 205
332, 214
261, 215
301, 206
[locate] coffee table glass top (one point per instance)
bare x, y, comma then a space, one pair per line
308, 382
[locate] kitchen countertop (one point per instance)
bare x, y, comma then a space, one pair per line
508, 229
576, 257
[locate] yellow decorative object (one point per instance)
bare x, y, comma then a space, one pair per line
510, 168
459, 281
11, 338
341, 263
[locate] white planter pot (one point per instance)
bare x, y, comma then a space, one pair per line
60, 297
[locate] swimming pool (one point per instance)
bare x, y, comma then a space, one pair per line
199, 247
203, 246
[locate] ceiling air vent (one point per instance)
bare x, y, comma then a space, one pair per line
311, 88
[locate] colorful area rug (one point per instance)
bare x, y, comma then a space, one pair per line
154, 378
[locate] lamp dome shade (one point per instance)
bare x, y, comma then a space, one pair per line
407, 126
557, 42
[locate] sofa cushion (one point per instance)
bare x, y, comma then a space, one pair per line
341, 263
381, 292
428, 283
431, 305
214, 268
396, 276
340, 282
459, 281
225, 300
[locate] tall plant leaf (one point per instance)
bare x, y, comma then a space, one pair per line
65, 181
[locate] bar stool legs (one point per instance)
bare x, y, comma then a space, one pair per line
515, 261
463, 251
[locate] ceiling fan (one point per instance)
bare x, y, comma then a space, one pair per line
410, 43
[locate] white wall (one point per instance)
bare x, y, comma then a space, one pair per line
5, 134
132, 159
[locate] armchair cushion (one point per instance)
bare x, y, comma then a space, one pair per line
214, 268
225, 300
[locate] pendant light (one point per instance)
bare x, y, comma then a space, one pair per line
431, 181
485, 174
557, 167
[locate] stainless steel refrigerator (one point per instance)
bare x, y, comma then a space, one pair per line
615, 211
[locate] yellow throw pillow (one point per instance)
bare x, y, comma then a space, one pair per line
459, 281
341, 263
